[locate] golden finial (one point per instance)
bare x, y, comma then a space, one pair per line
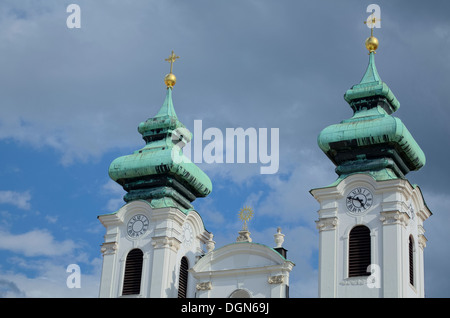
245, 214
371, 42
170, 78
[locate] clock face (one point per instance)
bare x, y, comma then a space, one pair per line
187, 234
137, 225
359, 200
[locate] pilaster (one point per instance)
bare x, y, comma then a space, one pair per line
327, 256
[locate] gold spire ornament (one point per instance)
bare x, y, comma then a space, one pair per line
371, 42
245, 214
170, 79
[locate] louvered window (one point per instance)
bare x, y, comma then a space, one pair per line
133, 273
240, 293
359, 251
411, 261
183, 282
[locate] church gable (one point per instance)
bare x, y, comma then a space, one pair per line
239, 256
255, 268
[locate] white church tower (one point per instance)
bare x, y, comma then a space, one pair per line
371, 218
153, 240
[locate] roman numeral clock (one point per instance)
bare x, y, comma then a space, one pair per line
137, 226
359, 200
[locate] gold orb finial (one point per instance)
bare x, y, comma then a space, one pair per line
170, 79
371, 44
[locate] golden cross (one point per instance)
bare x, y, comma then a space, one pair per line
172, 59
372, 22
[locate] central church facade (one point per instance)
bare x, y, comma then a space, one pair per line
370, 219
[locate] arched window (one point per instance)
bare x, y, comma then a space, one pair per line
411, 260
183, 280
359, 251
133, 273
240, 293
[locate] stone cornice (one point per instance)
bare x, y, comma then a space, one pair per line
277, 279
327, 224
422, 241
394, 217
166, 242
204, 286
109, 248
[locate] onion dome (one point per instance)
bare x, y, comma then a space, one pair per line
371, 141
159, 172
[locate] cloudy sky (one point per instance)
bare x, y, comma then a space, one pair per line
71, 101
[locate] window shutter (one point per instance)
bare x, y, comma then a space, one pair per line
183, 281
359, 251
133, 273
411, 261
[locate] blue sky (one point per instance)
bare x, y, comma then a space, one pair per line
71, 101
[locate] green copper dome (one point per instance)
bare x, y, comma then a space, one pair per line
160, 172
371, 85
371, 141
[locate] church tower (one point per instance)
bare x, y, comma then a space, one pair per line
153, 240
371, 234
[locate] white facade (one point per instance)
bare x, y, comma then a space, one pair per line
170, 235
394, 214
166, 236
241, 270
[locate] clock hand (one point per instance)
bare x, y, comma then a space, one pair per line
360, 201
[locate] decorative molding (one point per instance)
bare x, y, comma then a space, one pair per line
394, 217
278, 279
422, 241
244, 236
204, 286
327, 224
354, 281
166, 242
109, 248
279, 238
210, 244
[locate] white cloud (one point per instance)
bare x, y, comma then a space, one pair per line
116, 192
39, 267
52, 219
113, 188
211, 216
50, 282
19, 199
35, 243
288, 198
9, 289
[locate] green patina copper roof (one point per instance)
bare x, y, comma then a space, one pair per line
372, 85
372, 141
160, 172
373, 130
167, 108
165, 120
